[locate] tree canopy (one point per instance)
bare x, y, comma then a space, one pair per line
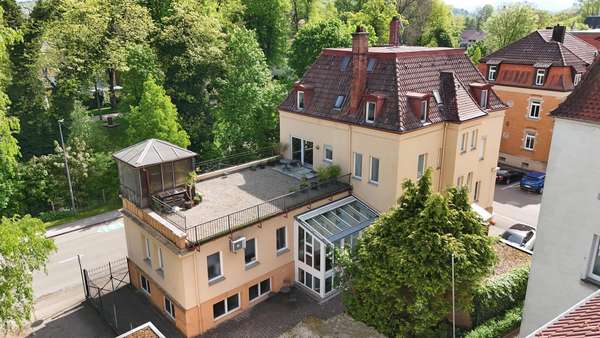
509, 24
398, 278
269, 19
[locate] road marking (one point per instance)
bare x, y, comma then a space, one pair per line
69, 259
511, 186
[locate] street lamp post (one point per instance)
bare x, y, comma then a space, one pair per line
62, 142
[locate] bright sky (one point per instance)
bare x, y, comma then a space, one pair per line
550, 5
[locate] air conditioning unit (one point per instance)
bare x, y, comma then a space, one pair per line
237, 244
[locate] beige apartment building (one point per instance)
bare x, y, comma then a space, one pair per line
382, 114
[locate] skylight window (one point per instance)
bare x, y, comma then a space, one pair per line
339, 101
371, 65
437, 96
345, 62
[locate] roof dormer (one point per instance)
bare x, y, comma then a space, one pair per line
373, 106
481, 93
419, 105
304, 94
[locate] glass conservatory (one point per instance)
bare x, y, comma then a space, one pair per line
338, 224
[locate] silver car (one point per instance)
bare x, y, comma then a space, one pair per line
520, 236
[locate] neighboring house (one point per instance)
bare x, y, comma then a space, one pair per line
566, 259
470, 36
533, 76
382, 114
592, 21
591, 36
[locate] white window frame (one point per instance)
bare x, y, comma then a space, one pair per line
474, 137
285, 239
367, 105
227, 311
483, 100
148, 248
147, 284
354, 165
594, 255
476, 192
492, 70
577, 79
464, 139
261, 294
170, 310
161, 261
482, 148
252, 262
421, 168
535, 103
540, 75
325, 148
371, 158
300, 104
220, 266
529, 135
424, 111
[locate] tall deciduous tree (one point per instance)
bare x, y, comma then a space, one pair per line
509, 24
142, 62
269, 19
246, 116
588, 7
441, 28
155, 117
398, 277
24, 249
312, 38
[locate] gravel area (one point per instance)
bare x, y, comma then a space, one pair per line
342, 326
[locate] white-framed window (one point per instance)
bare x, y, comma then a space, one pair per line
339, 102
226, 306
259, 289
169, 308
358, 165
281, 239
534, 109
424, 110
215, 269
460, 181
370, 110
161, 261
300, 100
594, 262
474, 137
145, 284
374, 174
482, 148
540, 74
492, 70
483, 100
421, 165
463, 142
328, 153
470, 181
577, 79
148, 248
476, 191
250, 251
529, 143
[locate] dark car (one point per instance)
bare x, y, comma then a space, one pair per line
533, 181
520, 236
506, 176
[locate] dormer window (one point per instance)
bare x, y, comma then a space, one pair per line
483, 99
339, 101
577, 79
371, 65
424, 111
370, 112
492, 70
300, 100
539, 77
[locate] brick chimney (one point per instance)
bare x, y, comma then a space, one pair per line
360, 47
394, 39
558, 33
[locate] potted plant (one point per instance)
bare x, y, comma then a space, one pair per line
197, 198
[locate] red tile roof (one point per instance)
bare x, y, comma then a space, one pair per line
397, 71
581, 321
584, 102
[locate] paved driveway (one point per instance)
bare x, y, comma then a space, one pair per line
513, 205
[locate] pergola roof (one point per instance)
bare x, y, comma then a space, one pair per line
152, 152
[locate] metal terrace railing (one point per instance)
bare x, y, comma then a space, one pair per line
303, 196
170, 213
235, 159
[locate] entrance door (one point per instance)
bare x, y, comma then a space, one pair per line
307, 153
302, 151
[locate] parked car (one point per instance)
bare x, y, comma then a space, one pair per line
520, 236
506, 176
533, 181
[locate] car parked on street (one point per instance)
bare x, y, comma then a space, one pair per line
520, 236
533, 181
506, 176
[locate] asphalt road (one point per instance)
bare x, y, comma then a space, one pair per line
512, 205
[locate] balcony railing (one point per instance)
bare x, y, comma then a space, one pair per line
170, 213
232, 160
305, 195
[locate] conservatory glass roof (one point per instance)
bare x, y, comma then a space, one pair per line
338, 219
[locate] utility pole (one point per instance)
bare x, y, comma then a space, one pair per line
62, 142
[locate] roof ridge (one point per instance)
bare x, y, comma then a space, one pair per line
145, 151
572, 52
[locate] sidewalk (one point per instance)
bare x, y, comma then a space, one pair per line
82, 223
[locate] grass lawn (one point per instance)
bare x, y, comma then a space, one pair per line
112, 205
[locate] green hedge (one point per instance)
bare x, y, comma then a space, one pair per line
497, 296
499, 326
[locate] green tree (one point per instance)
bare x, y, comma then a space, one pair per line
474, 52
246, 117
416, 13
509, 24
13, 17
441, 28
24, 249
269, 19
588, 7
398, 277
155, 117
312, 38
483, 14
142, 62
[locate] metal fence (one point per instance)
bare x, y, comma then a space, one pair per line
303, 196
170, 213
235, 159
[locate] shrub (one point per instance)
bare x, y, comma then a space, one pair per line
496, 296
49, 216
498, 326
330, 172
